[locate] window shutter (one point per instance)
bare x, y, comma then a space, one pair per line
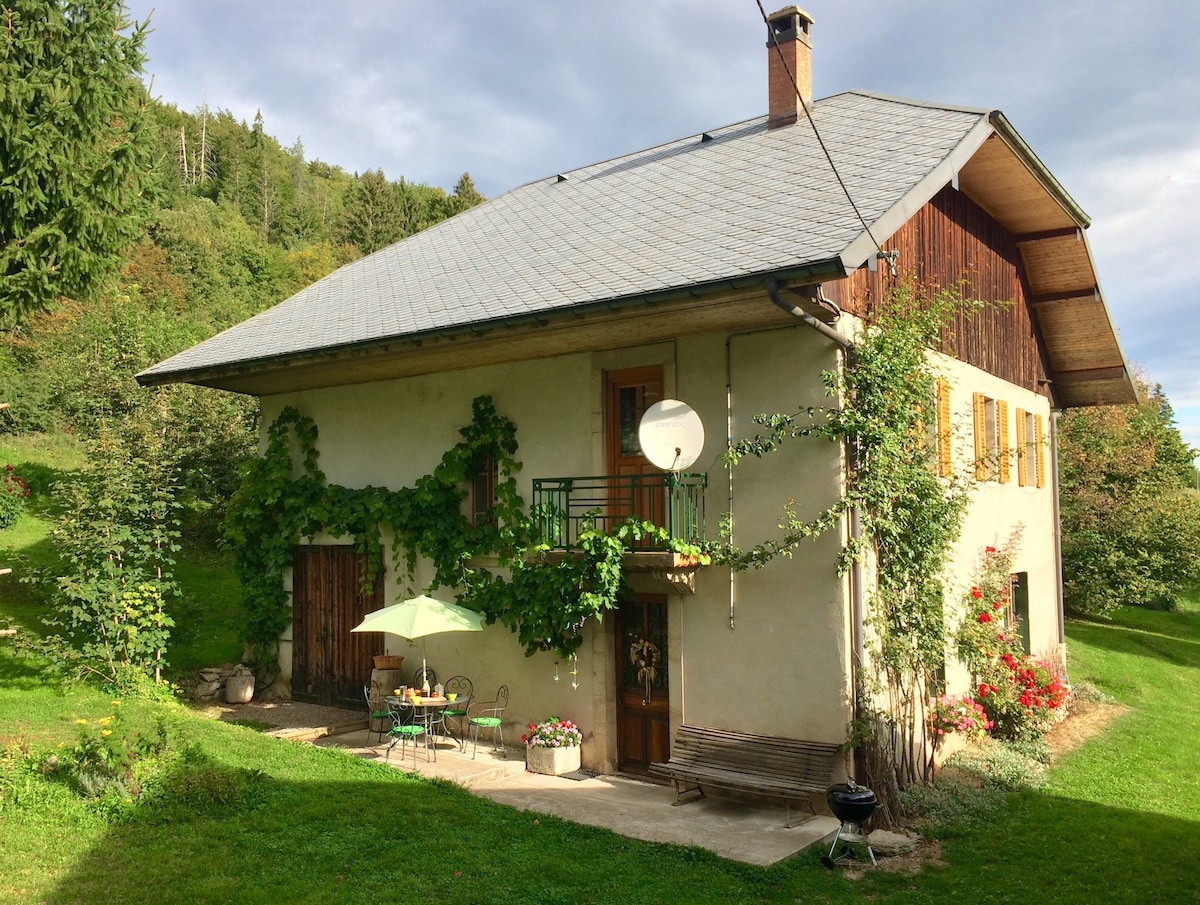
1023, 462
979, 404
1039, 450
945, 465
1002, 440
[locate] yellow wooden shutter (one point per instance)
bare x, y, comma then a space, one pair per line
1023, 462
979, 405
1002, 440
1039, 450
945, 465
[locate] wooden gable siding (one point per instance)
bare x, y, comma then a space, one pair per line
949, 240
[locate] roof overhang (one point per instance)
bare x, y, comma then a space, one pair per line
996, 168
1083, 355
737, 304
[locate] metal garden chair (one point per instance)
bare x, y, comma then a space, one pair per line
489, 716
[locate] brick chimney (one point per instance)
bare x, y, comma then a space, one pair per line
788, 36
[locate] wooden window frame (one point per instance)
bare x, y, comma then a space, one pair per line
482, 492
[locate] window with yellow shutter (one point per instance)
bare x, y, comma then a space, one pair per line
945, 463
1022, 447
1002, 450
1039, 450
987, 438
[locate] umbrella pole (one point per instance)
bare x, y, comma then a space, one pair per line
424, 671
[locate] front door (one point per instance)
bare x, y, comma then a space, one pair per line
627, 395
330, 664
643, 719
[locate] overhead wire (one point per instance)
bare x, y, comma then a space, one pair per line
888, 256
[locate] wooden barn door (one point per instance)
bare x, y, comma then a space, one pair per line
643, 717
331, 664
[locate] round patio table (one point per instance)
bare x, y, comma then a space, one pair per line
428, 707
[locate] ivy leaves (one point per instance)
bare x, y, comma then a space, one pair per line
545, 602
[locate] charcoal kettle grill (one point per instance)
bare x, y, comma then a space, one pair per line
853, 805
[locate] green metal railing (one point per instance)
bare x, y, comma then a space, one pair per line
566, 506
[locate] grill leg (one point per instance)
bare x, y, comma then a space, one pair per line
859, 836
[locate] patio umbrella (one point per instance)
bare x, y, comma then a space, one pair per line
421, 616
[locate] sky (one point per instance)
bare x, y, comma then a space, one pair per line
1106, 93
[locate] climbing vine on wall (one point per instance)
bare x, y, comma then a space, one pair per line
544, 601
909, 517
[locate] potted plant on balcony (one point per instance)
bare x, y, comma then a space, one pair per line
552, 746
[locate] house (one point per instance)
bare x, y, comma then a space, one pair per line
577, 300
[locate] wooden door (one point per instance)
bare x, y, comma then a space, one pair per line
643, 718
331, 664
627, 395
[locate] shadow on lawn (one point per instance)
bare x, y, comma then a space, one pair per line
1123, 638
369, 842
21, 601
398, 839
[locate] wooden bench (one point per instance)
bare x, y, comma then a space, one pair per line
766, 765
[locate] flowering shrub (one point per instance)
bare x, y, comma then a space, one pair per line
963, 714
13, 494
1025, 705
553, 733
1020, 695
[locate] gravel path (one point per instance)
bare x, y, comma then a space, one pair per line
292, 719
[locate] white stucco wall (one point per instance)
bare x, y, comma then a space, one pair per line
766, 652
769, 650
998, 509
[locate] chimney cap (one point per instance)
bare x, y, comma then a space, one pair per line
788, 24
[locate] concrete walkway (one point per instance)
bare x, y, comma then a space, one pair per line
751, 832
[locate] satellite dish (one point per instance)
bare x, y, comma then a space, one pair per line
671, 435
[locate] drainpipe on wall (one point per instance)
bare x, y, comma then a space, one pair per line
856, 573
728, 446
1058, 559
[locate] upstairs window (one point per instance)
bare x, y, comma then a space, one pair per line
945, 462
991, 439
986, 441
1031, 455
482, 496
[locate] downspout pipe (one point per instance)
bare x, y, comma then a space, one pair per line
857, 594
1058, 555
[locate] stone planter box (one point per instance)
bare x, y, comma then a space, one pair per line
554, 761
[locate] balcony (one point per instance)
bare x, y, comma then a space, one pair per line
566, 507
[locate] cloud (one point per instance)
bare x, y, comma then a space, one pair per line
1105, 91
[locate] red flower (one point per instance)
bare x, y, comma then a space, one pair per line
976, 593
996, 605
983, 689
985, 617
989, 549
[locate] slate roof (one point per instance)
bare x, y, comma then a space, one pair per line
690, 213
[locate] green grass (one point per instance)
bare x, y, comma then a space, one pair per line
208, 616
1117, 821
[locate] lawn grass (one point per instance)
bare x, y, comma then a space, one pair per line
208, 615
1116, 823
